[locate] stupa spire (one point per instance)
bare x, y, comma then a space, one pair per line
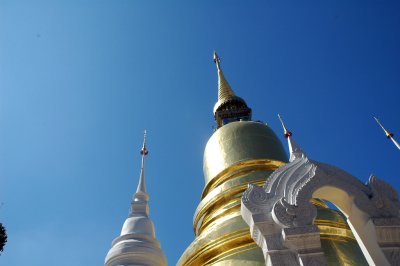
137, 243
294, 149
224, 89
229, 107
140, 198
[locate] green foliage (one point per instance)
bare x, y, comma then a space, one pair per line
3, 237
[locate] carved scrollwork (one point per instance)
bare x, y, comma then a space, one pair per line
286, 199
384, 198
327, 175
285, 174
294, 216
256, 199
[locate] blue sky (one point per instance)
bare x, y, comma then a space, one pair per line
80, 80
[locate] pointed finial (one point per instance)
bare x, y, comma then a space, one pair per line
224, 89
142, 185
285, 130
217, 60
144, 150
229, 107
388, 134
294, 149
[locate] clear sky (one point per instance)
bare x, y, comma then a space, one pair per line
80, 80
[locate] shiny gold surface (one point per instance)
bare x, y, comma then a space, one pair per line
224, 89
237, 142
228, 240
237, 154
319, 203
224, 198
240, 169
337, 240
339, 251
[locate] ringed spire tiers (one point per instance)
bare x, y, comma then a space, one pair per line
224, 89
137, 243
229, 107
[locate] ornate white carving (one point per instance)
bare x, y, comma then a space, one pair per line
256, 199
281, 216
384, 198
294, 216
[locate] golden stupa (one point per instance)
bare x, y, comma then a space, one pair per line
242, 151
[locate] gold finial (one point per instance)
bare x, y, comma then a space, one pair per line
224, 90
285, 131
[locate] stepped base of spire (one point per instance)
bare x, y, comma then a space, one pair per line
141, 250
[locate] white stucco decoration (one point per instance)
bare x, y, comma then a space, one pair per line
281, 217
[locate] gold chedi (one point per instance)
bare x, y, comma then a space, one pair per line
242, 151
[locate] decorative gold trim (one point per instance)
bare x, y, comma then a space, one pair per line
220, 248
236, 250
229, 172
331, 223
335, 233
319, 202
208, 208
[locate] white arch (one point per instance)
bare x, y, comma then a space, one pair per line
281, 217
360, 223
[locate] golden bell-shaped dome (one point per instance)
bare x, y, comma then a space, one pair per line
240, 142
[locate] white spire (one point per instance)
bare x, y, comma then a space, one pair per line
140, 198
294, 149
137, 244
141, 188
